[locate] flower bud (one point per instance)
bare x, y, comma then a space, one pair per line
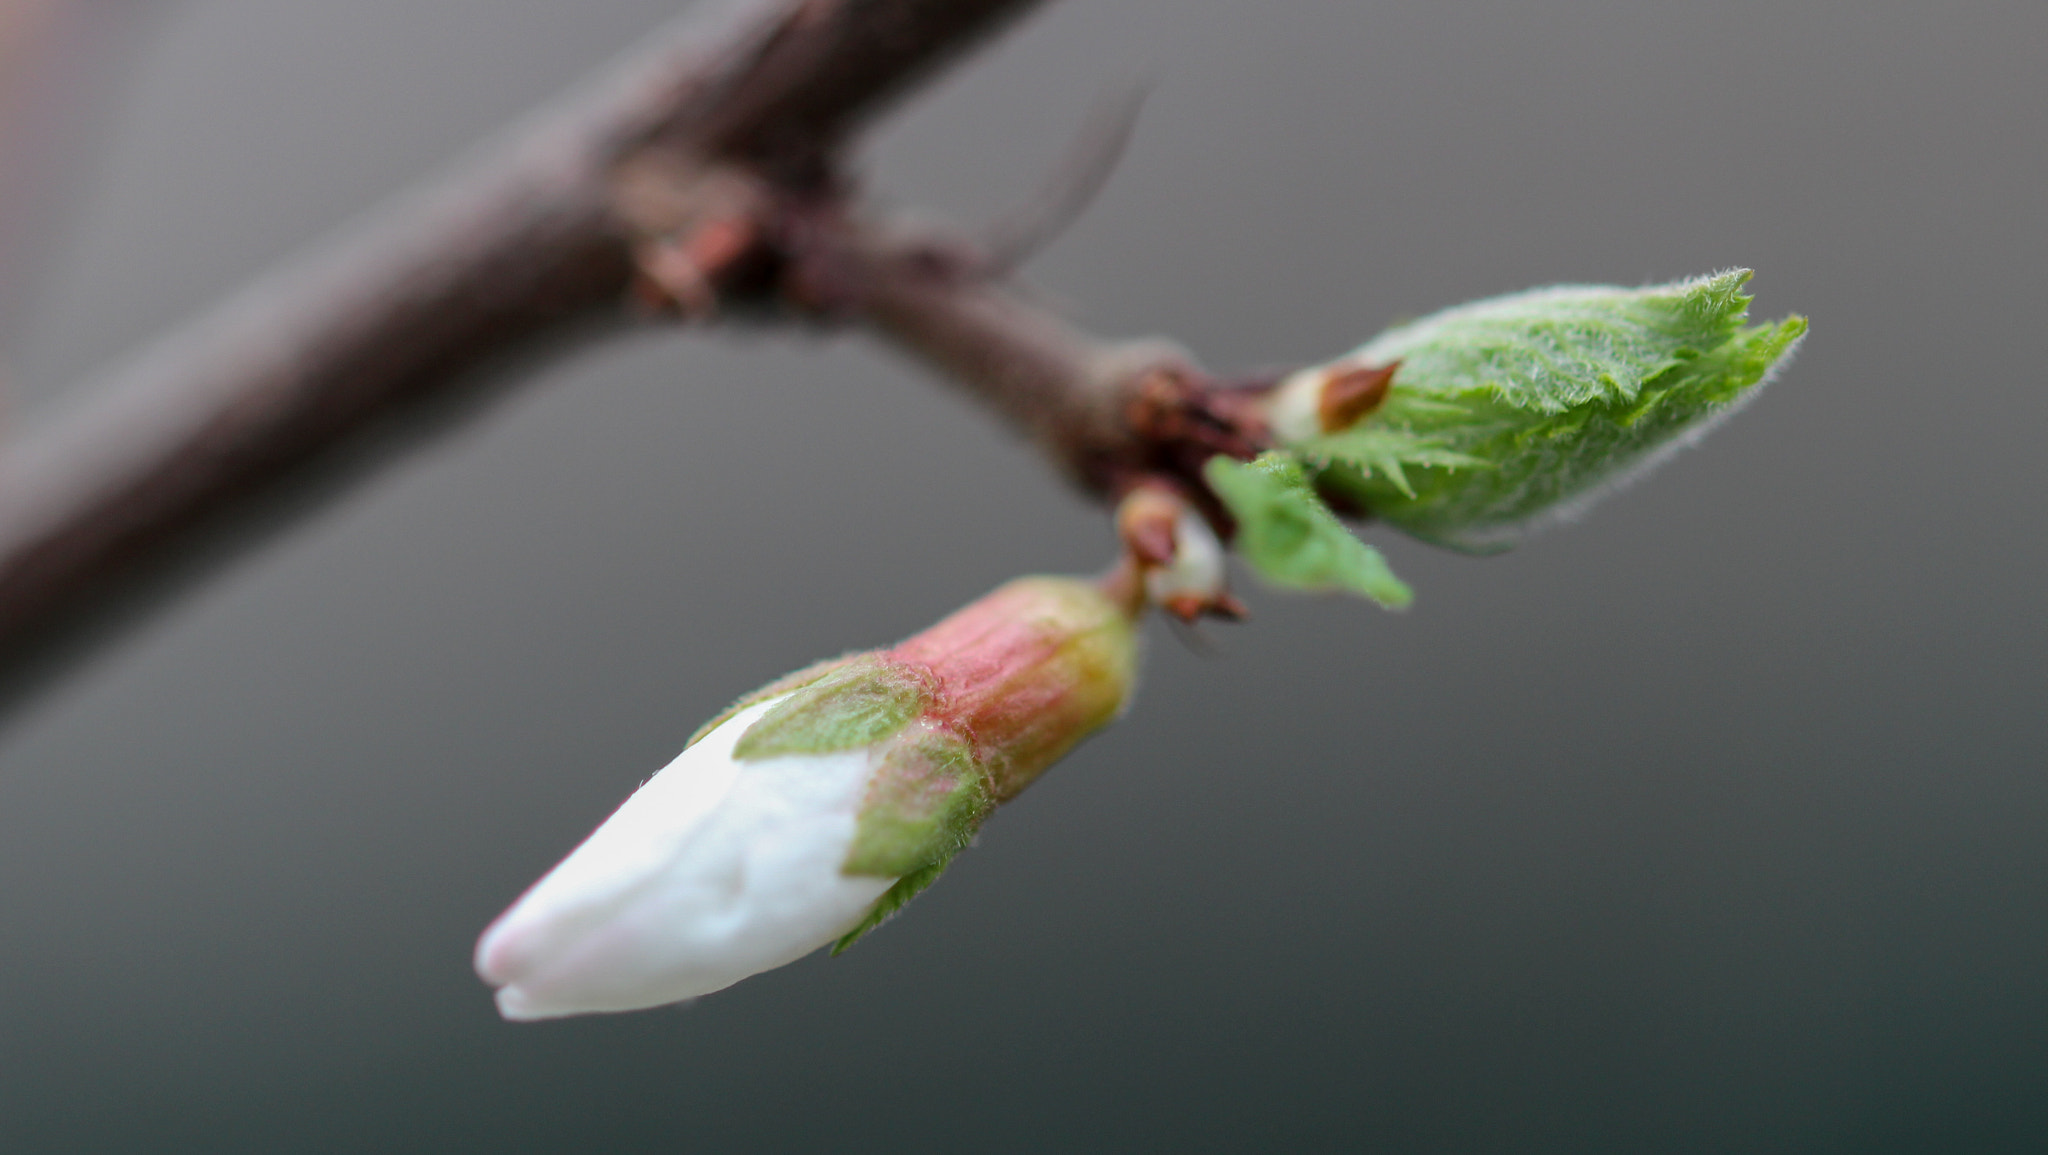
814, 808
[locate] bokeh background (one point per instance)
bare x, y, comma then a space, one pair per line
1715, 822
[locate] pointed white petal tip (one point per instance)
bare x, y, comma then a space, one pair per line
515, 1007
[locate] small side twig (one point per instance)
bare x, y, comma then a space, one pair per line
1079, 179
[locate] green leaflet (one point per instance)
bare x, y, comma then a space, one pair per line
855, 703
928, 795
1507, 410
1288, 534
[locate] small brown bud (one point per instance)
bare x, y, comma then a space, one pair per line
1145, 522
1351, 392
1172, 557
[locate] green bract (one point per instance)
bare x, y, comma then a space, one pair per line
1286, 532
1511, 410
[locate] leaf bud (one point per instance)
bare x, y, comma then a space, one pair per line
1511, 412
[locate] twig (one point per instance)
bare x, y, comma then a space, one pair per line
534, 244
1111, 414
1072, 187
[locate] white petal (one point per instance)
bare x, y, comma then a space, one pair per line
712, 871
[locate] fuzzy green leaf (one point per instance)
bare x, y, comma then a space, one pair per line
1382, 451
857, 703
1538, 401
1293, 540
928, 795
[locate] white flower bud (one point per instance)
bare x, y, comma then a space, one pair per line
714, 870
815, 808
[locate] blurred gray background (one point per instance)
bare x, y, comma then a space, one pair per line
1713, 823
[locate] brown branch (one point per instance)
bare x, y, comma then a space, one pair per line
534, 244
1112, 415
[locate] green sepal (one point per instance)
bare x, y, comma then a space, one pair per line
774, 689
1287, 533
928, 795
857, 703
1545, 398
893, 899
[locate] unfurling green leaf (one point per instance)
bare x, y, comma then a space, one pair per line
1286, 532
1515, 409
